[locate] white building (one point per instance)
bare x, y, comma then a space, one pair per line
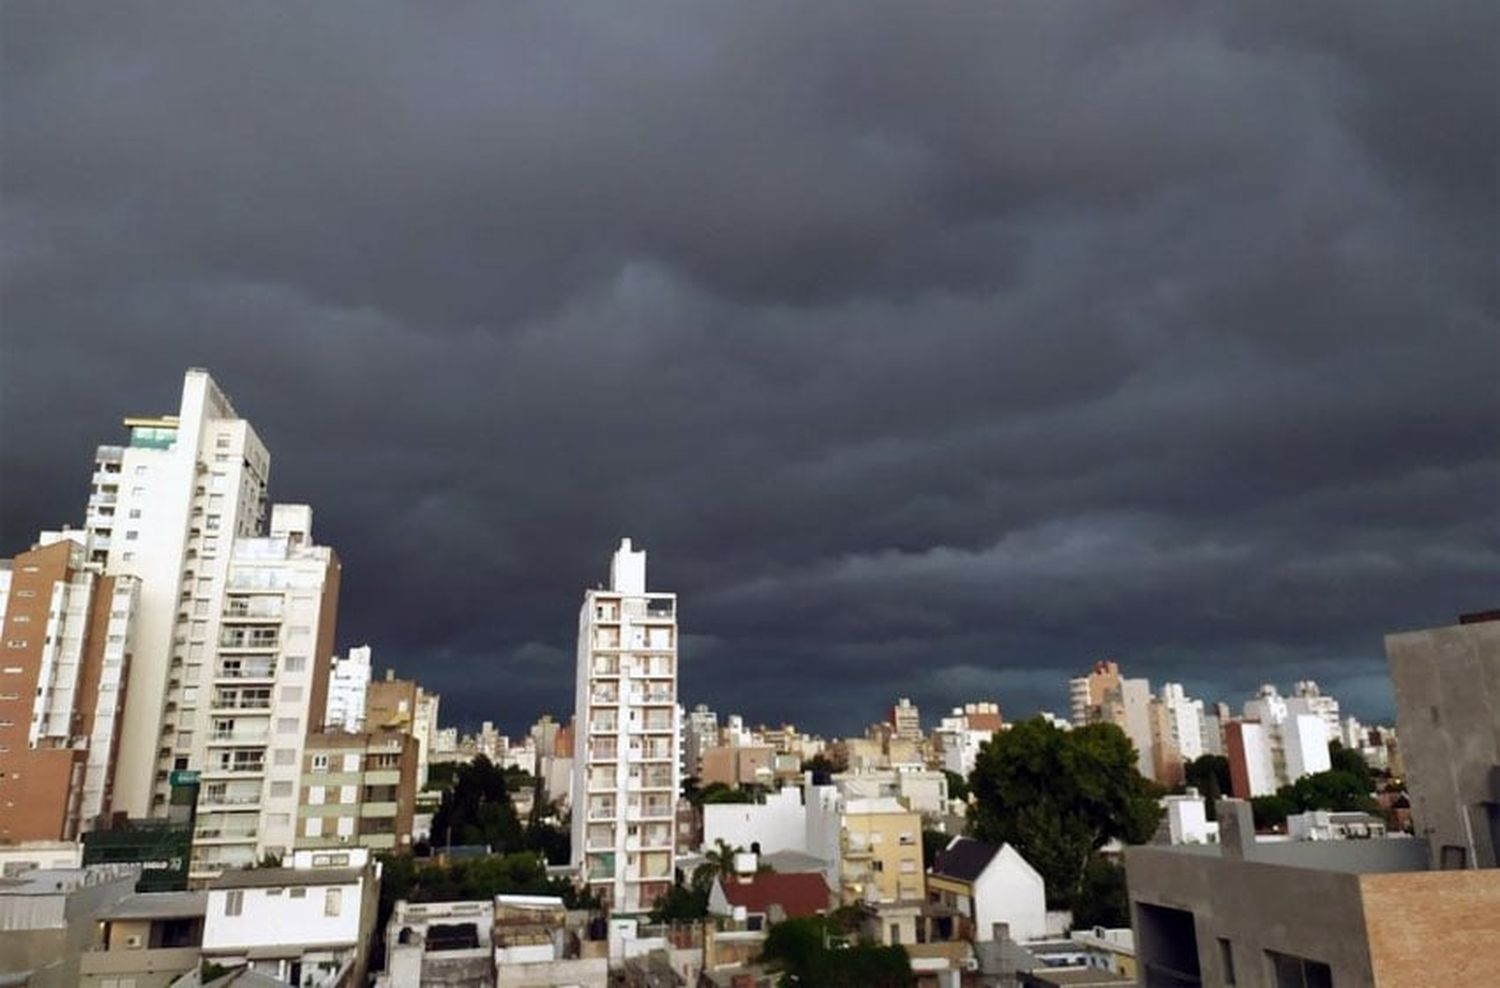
309, 925
346, 691
1308, 698
700, 731
1135, 707
439, 943
990, 885
166, 508
627, 740
1187, 820
264, 692
1185, 720
424, 727
964, 731
1287, 741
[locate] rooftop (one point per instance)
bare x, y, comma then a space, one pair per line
802, 894
964, 859
270, 878
158, 905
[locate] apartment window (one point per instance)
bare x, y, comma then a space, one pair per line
346, 826
285, 756
281, 790
1226, 960
15, 643
135, 512
21, 618
128, 556
298, 893
221, 442
320, 763
315, 795
351, 762
286, 725
1291, 971
333, 900
131, 535
211, 523
314, 827
234, 902
296, 663
291, 694
348, 794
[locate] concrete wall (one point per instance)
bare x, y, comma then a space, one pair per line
1448, 719
1010, 891
778, 824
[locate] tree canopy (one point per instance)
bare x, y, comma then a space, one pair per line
1058, 796
1209, 774
811, 954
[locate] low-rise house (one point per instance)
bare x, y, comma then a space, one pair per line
309, 925
439, 943
762, 899
18, 858
919, 789
988, 886
148, 939
1326, 825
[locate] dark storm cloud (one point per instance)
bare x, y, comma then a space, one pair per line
928, 351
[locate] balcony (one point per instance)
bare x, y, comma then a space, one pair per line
234, 800
604, 813
228, 835
235, 768
257, 671
220, 738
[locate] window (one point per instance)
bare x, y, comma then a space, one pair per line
1226, 960
346, 826
320, 763
1299, 972
286, 725
132, 535
285, 756
314, 826
315, 795
333, 902
281, 790
135, 512
234, 902
351, 762
298, 893
296, 663
348, 794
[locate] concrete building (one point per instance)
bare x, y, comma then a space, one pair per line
149, 940
736, 765
393, 704
1105, 697
266, 690
1176, 732
357, 790
49, 918
906, 720
881, 852
1279, 741
987, 886
1187, 820
165, 509
16, 859
1346, 912
537, 945
1307, 697
1087, 693
700, 731
68, 637
627, 744
920, 790
960, 735
309, 924
1448, 715
347, 689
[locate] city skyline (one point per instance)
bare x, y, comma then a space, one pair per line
937, 358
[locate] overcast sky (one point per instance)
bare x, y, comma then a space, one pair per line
930, 350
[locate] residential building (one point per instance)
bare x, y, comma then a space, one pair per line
393, 704
1279, 741
881, 851
1328, 825
1088, 693
627, 742
960, 735
309, 924
1448, 714
347, 689
267, 689
762, 899
736, 765
15, 859
148, 939
700, 731
920, 790
68, 637
537, 945
1176, 733
989, 885
906, 720
165, 509
1307, 697
1105, 697
357, 790
1187, 819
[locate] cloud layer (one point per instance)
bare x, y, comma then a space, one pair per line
929, 352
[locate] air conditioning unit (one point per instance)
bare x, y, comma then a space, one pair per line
133, 941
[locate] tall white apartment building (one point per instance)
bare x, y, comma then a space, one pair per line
1307, 698
347, 688
626, 743
266, 689
166, 509
701, 731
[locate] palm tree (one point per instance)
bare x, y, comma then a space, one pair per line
717, 861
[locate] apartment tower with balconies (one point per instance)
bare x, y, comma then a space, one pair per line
626, 746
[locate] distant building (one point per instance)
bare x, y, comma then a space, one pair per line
738, 765
439, 943
1176, 733
881, 849
1279, 741
960, 735
700, 732
148, 939
906, 720
393, 704
347, 689
50, 917
1105, 697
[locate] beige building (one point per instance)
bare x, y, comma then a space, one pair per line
148, 940
736, 766
359, 790
65, 652
881, 845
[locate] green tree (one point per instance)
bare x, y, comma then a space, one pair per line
478, 810
680, 905
1103, 899
718, 792
823, 768
1058, 796
806, 953
933, 841
1209, 774
718, 861
1350, 761
1271, 812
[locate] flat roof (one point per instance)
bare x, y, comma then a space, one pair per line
270, 878
158, 905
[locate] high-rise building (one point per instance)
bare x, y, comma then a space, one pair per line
1308, 698
68, 635
166, 509
266, 689
359, 790
393, 704
627, 762
1176, 732
906, 720
1087, 693
346, 691
1278, 743
700, 733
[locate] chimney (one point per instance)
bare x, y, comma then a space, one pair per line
1236, 828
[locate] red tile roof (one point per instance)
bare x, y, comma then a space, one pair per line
802, 894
